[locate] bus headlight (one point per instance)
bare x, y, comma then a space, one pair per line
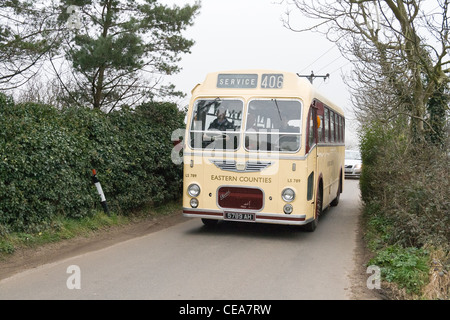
194, 203
288, 208
193, 190
288, 195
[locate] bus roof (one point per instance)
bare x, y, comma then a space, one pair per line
259, 82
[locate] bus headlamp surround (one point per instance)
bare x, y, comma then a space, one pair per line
288, 195
193, 190
193, 203
288, 208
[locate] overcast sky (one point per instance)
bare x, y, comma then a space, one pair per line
249, 34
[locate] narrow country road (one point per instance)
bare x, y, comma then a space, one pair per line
190, 261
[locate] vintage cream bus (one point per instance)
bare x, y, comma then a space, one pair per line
261, 146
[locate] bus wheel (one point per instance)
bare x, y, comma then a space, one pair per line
313, 224
335, 201
210, 222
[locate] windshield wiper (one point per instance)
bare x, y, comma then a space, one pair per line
216, 100
278, 108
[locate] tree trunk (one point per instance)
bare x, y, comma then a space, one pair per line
98, 85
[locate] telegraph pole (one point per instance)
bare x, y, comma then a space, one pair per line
312, 76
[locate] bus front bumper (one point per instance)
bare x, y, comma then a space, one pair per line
245, 216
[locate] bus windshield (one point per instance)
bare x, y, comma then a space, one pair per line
270, 124
273, 125
216, 124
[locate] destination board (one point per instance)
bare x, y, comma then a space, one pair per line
272, 81
250, 81
237, 81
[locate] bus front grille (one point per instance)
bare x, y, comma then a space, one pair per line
240, 198
233, 166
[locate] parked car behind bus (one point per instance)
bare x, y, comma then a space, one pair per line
353, 163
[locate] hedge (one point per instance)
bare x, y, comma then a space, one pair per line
406, 185
46, 158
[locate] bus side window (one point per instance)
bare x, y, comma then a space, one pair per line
320, 129
326, 124
332, 126
311, 129
338, 128
343, 130
320, 124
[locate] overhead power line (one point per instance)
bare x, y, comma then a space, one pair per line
323, 54
340, 56
344, 65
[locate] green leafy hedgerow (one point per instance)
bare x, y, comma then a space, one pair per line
406, 191
46, 158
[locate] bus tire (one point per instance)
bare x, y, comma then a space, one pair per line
313, 224
210, 222
335, 201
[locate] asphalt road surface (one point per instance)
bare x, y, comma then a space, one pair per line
190, 261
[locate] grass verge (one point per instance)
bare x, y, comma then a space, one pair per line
64, 228
406, 272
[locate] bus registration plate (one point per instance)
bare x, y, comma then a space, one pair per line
239, 216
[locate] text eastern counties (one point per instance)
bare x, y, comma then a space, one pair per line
240, 179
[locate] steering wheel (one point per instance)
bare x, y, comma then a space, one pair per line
215, 136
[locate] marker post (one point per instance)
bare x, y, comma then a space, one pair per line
100, 191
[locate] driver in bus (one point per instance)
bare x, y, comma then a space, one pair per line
221, 123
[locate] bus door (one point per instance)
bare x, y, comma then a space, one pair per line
311, 154
319, 132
